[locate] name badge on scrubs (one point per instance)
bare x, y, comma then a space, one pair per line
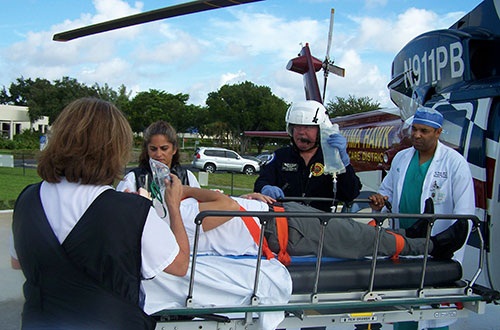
437, 194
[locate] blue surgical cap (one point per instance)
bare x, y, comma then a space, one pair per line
429, 117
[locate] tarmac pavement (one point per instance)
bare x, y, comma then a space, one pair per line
11, 280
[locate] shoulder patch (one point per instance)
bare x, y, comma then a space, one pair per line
317, 169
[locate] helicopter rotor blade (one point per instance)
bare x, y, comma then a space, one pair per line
149, 16
326, 62
337, 70
330, 33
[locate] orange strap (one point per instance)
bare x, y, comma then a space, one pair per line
282, 233
400, 241
400, 244
254, 230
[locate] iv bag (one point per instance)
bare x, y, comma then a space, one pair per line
331, 155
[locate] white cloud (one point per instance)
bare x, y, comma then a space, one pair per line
116, 70
267, 34
388, 35
182, 49
232, 78
110, 9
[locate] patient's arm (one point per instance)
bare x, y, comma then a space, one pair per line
209, 200
173, 196
259, 197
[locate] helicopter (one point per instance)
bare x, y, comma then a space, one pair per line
455, 71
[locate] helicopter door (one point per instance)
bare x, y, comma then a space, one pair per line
464, 129
493, 183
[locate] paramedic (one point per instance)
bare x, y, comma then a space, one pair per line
429, 169
82, 246
160, 143
298, 170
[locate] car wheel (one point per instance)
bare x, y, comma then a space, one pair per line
249, 170
210, 168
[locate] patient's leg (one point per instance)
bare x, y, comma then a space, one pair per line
344, 238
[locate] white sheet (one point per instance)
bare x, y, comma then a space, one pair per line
221, 281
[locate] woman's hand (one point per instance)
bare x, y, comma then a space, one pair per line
173, 191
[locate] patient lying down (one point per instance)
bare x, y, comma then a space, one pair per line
344, 238
229, 281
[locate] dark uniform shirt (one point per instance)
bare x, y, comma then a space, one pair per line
288, 171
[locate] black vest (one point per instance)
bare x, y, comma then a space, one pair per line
92, 280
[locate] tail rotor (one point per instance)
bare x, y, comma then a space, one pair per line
328, 65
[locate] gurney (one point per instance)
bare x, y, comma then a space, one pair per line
345, 292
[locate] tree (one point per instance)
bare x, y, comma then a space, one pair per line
41, 100
346, 106
244, 107
122, 100
18, 92
46, 99
153, 105
194, 117
4, 96
230, 111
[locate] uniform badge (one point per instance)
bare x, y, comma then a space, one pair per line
289, 167
317, 169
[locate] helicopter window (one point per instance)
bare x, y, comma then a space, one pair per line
484, 58
455, 126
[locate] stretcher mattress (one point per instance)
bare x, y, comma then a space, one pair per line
347, 275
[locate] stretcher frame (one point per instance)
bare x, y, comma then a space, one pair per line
356, 307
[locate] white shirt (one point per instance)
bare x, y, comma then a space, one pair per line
230, 238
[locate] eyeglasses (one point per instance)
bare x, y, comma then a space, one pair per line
305, 127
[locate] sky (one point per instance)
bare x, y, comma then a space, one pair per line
199, 53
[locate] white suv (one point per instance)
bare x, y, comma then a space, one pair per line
214, 159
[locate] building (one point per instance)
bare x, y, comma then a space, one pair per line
15, 119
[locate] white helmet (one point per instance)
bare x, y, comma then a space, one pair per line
308, 112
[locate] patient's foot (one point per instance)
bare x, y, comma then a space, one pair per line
418, 229
450, 240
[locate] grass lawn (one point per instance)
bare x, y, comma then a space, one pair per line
13, 182
15, 179
234, 184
